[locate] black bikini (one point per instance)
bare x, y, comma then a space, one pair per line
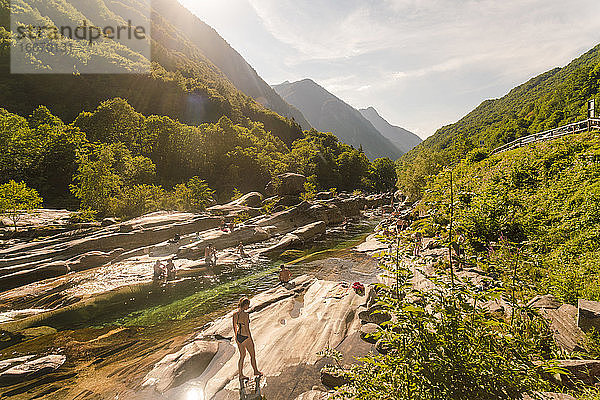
240, 338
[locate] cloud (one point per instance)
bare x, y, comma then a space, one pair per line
422, 63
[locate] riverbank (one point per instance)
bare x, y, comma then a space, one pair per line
113, 323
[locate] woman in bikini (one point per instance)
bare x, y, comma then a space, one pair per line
243, 337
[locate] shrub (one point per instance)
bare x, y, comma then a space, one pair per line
16, 198
439, 347
133, 201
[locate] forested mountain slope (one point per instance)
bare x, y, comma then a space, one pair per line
229, 61
328, 113
184, 83
552, 99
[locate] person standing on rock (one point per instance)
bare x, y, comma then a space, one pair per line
243, 337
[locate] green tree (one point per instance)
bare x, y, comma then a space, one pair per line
382, 175
16, 198
195, 195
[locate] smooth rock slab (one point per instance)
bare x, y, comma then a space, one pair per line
187, 363
588, 315
31, 369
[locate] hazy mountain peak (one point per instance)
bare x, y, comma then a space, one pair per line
402, 138
328, 113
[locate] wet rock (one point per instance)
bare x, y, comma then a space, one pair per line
587, 371
332, 380
8, 339
32, 368
383, 347
108, 222
588, 315
286, 184
179, 367
367, 330
38, 331
291, 254
286, 334
11, 362
20, 278
126, 228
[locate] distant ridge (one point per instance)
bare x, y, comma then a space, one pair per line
328, 113
402, 138
232, 64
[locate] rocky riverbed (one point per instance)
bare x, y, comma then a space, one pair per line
82, 317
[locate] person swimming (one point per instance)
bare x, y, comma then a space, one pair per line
243, 337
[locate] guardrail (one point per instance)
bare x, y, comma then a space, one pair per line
576, 127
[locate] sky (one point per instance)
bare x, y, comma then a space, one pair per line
421, 63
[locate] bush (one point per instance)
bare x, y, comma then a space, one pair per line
16, 198
133, 201
193, 196
441, 347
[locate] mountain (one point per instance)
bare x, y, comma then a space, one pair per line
232, 64
183, 84
328, 113
552, 99
400, 137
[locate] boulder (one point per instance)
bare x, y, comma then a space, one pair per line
32, 368
286, 184
108, 222
332, 380
563, 324
374, 315
287, 201
310, 231
588, 315
587, 371
297, 237
367, 330
252, 199
546, 301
